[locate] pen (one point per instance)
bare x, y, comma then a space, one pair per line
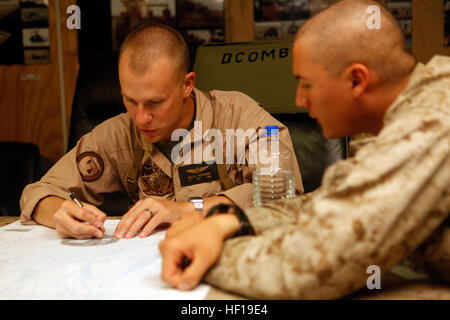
75, 199
78, 202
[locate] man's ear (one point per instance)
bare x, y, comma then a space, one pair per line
189, 81
358, 78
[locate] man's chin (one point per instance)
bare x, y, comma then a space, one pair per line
151, 137
331, 134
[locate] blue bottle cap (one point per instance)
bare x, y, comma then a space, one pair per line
272, 130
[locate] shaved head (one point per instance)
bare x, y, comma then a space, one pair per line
339, 36
150, 42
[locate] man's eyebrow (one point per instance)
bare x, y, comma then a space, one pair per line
152, 100
125, 96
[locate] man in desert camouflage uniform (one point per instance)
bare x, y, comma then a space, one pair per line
133, 152
389, 201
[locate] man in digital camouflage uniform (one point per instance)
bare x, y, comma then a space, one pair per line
388, 202
133, 152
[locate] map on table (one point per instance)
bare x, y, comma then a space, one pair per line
35, 263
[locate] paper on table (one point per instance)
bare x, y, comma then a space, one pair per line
35, 263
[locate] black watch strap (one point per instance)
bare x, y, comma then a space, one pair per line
246, 227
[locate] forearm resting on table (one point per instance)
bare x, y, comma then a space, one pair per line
46, 209
228, 224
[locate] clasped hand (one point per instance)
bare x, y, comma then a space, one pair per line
197, 240
199, 243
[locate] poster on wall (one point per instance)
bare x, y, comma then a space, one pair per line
197, 20
203, 35
126, 14
34, 16
447, 23
281, 10
10, 33
200, 21
35, 37
402, 12
280, 19
200, 14
24, 32
35, 31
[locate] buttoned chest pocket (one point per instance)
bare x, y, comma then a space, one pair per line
204, 190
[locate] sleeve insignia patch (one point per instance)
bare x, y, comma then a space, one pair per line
90, 165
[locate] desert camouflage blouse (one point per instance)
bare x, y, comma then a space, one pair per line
373, 209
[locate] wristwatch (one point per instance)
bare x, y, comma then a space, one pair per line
197, 202
246, 227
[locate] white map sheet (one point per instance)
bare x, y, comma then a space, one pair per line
35, 263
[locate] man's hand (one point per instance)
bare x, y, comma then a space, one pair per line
147, 214
186, 221
70, 221
201, 244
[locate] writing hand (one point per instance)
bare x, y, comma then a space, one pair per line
73, 221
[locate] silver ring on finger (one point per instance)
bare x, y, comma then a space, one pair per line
150, 212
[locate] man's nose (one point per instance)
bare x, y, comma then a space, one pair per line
143, 115
301, 100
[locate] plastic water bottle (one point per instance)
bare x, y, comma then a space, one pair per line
273, 178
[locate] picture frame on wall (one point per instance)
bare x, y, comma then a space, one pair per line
270, 30
277, 30
282, 10
24, 25
198, 36
126, 14
194, 14
37, 56
198, 21
402, 12
35, 37
10, 33
280, 19
34, 15
35, 31
33, 3
290, 28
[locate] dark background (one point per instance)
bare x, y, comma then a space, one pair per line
95, 33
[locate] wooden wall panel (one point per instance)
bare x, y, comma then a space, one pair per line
428, 29
239, 20
30, 109
70, 54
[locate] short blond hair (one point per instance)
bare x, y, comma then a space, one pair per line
149, 42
